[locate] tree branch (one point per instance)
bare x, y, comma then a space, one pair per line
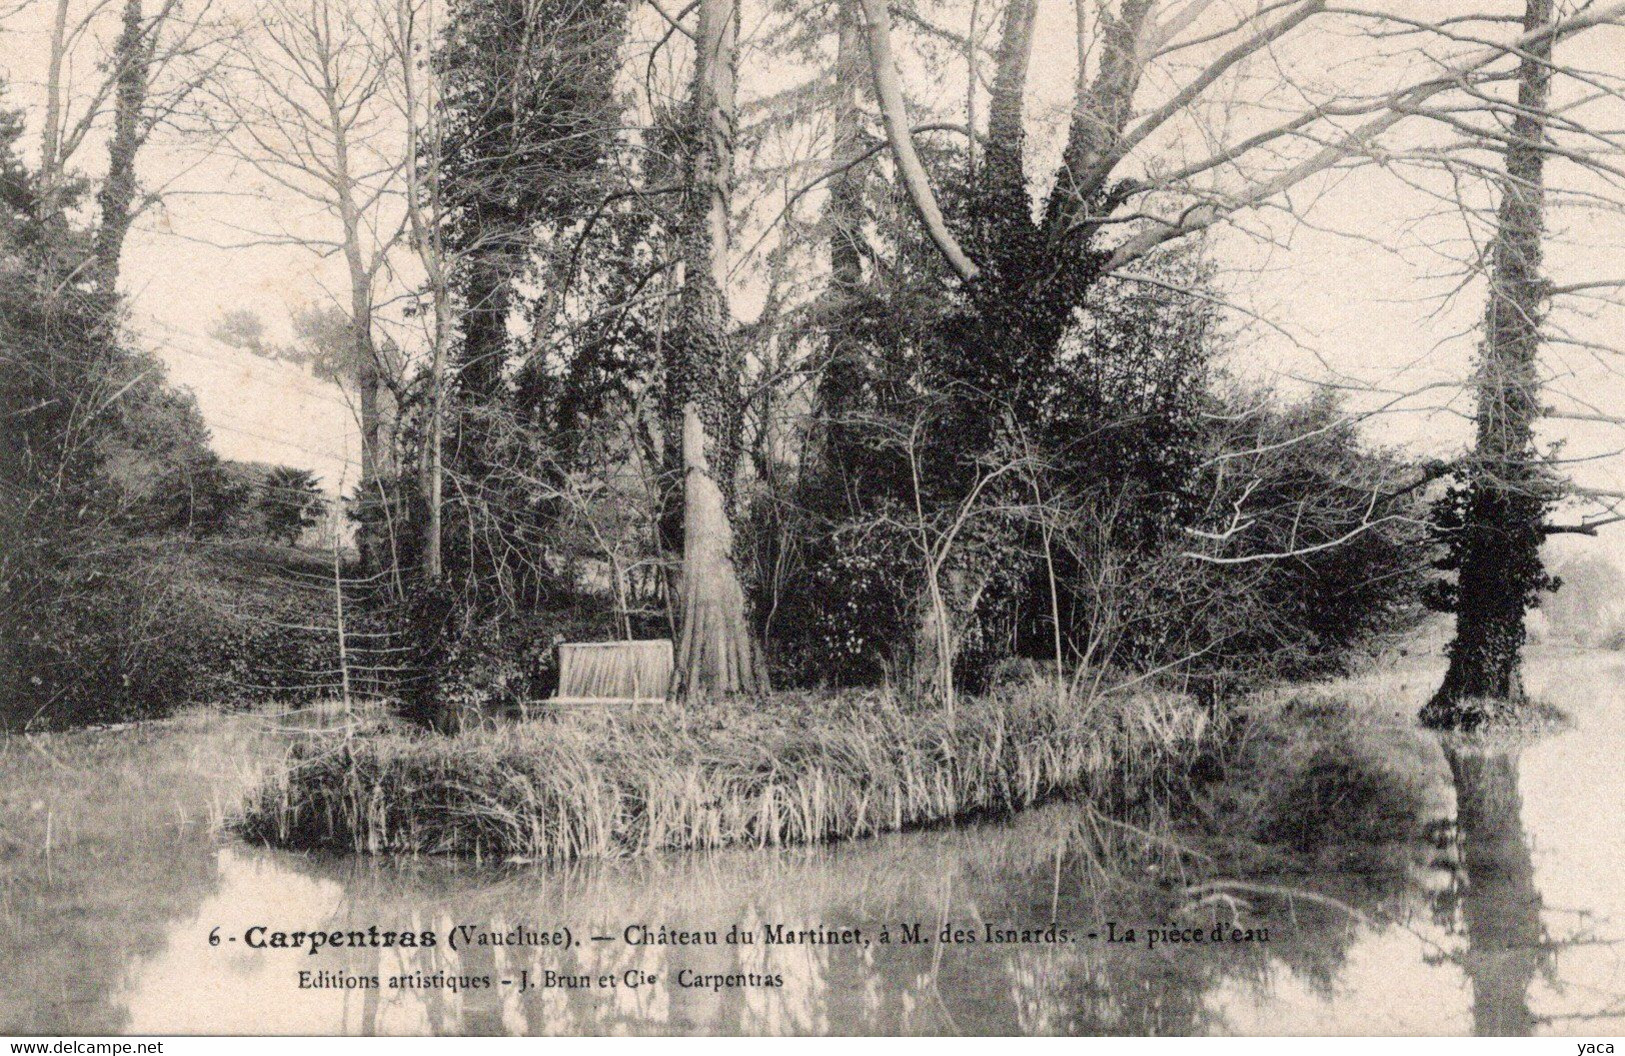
909, 166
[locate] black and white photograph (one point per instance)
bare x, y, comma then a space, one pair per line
830, 518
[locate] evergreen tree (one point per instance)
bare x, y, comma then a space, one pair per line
291, 503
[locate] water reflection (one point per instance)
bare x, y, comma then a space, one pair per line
1512, 933
1500, 903
104, 856
1016, 874
73, 928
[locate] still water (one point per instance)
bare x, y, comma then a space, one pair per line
1510, 925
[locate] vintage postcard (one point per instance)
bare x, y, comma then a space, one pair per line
811, 517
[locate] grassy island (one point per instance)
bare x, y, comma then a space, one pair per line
788, 768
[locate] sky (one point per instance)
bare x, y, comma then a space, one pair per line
1353, 283
262, 410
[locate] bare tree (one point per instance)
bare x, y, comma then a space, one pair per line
312, 115
148, 78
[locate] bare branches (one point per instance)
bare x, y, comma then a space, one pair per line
673, 20
1181, 99
1389, 110
900, 136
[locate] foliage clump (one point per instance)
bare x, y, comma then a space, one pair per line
291, 503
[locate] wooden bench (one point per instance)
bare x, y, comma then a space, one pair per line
637, 672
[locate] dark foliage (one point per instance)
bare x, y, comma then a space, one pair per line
291, 503
1332, 554
110, 608
472, 666
158, 625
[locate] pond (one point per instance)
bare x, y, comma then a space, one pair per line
1510, 924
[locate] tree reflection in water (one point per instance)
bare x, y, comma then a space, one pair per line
1026, 871
1352, 942
1506, 940
1030, 869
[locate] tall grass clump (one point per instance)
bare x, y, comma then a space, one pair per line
793, 769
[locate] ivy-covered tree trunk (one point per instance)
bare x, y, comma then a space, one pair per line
488, 297
1507, 491
717, 652
132, 56
841, 383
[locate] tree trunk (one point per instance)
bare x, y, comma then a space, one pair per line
842, 382
364, 355
899, 133
434, 486
487, 299
717, 652
132, 59
936, 638
1506, 492
50, 170
1101, 108
426, 219
369, 404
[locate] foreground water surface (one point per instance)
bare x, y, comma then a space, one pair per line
1509, 925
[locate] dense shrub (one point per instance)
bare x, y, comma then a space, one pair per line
1280, 544
1316, 548
104, 472
163, 624
468, 667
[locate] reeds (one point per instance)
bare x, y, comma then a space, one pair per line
793, 769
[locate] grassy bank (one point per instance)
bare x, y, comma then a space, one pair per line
1332, 775
792, 769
